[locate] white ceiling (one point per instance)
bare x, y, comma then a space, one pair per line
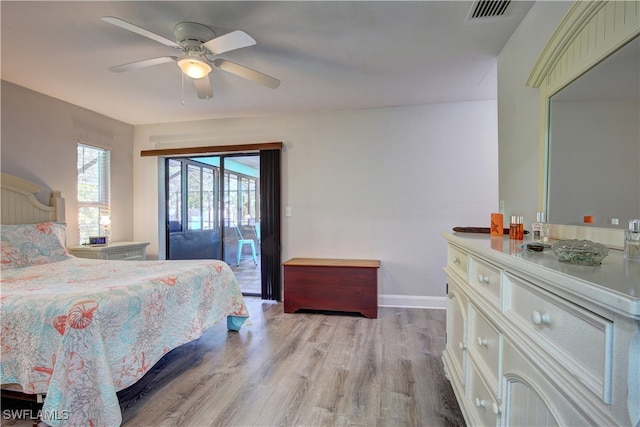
328, 55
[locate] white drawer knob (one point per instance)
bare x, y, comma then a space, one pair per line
463, 346
480, 403
495, 408
538, 318
482, 342
483, 279
456, 260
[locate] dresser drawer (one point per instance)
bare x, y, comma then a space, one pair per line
485, 408
457, 260
486, 279
579, 340
457, 329
126, 251
126, 254
532, 400
485, 346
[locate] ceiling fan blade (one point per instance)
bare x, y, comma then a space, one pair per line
138, 30
246, 73
231, 41
203, 87
142, 64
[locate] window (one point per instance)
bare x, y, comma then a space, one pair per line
94, 165
198, 207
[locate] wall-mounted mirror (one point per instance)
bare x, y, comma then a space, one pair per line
594, 144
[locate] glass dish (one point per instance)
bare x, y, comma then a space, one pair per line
581, 252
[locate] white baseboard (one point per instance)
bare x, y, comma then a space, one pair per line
412, 301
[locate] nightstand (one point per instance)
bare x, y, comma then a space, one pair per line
128, 251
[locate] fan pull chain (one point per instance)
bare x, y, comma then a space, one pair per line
182, 87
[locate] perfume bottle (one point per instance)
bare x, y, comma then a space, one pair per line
540, 229
632, 241
516, 227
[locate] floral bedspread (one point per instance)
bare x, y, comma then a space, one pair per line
80, 330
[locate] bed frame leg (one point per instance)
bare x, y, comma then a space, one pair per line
235, 322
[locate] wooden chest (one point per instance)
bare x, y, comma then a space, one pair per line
345, 285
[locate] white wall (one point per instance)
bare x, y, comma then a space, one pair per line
380, 183
39, 136
519, 109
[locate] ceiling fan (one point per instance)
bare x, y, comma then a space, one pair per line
198, 46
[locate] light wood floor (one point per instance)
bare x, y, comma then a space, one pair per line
303, 369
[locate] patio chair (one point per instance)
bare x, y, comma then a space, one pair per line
241, 242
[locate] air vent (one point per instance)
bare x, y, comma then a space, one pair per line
488, 9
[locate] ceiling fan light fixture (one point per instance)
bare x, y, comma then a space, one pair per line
196, 42
193, 66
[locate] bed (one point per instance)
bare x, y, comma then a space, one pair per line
79, 330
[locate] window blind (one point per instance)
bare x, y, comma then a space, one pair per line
94, 191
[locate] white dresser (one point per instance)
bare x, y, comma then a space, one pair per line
127, 251
531, 341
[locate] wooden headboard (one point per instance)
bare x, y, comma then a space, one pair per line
20, 206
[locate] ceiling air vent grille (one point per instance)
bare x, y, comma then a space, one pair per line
488, 8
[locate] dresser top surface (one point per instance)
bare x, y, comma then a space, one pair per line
614, 284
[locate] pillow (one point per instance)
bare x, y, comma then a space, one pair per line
23, 245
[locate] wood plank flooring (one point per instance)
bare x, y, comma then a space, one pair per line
302, 369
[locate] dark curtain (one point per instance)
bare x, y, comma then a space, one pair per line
270, 224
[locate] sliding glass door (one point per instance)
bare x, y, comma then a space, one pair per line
241, 213
213, 212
